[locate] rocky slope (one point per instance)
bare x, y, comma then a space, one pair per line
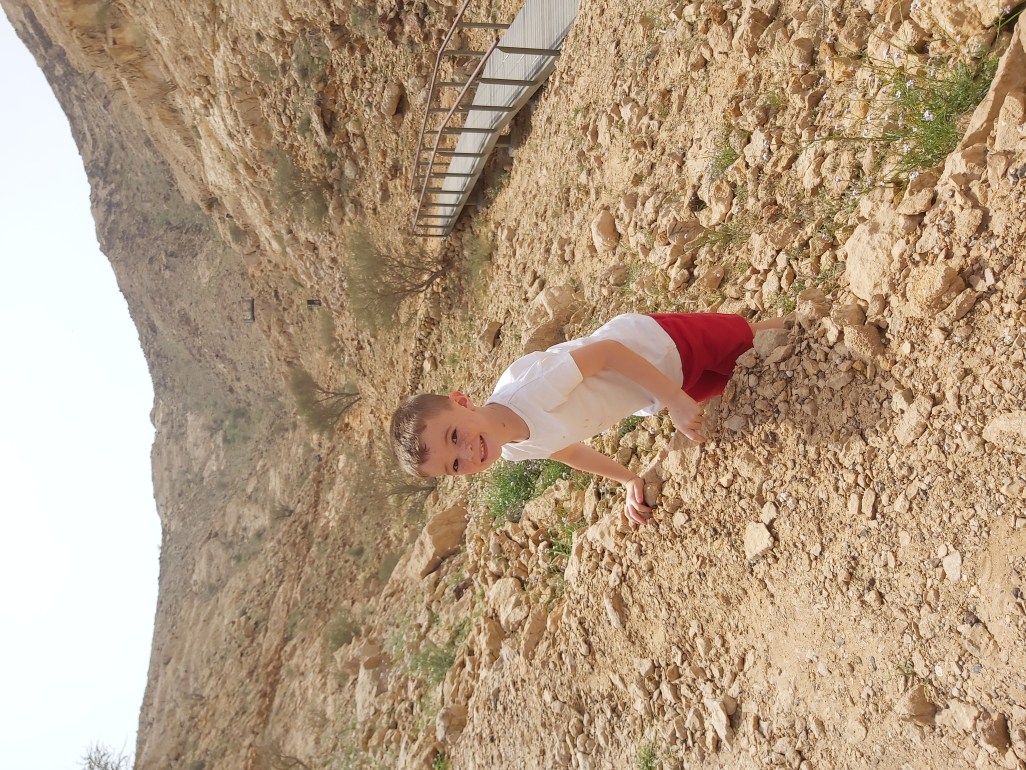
834, 580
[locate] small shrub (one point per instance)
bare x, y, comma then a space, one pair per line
477, 250
727, 235
294, 621
100, 757
236, 426
726, 152
321, 408
627, 425
509, 486
561, 541
432, 662
310, 57
647, 757
341, 631
379, 279
440, 762
920, 108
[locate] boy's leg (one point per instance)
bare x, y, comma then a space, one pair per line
769, 323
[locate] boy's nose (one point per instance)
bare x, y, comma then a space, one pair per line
463, 451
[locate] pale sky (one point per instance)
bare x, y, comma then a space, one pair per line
80, 536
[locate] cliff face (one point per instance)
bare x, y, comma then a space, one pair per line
227, 145
835, 577
226, 457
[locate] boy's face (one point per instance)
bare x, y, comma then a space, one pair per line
459, 440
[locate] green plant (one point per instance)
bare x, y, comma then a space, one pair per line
477, 250
235, 426
627, 425
648, 759
509, 486
919, 109
727, 234
432, 661
726, 151
440, 762
341, 631
310, 57
294, 621
561, 540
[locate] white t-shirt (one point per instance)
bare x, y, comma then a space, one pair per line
561, 408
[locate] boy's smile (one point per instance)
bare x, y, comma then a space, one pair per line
465, 439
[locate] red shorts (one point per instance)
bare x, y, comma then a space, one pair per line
709, 344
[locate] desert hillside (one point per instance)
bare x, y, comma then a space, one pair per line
834, 580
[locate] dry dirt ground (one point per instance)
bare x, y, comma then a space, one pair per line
834, 580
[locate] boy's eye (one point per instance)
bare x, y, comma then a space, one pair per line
455, 463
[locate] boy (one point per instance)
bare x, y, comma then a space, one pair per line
546, 403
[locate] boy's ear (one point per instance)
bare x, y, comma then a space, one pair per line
461, 399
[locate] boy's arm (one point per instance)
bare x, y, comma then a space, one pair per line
611, 355
584, 458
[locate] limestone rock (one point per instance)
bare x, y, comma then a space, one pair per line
534, 629
933, 287
719, 719
490, 641
871, 252
390, 99
812, 305
916, 707
920, 194
994, 732
546, 316
450, 722
721, 198
614, 609
420, 756
952, 564
486, 342
958, 308
769, 340
913, 422
603, 231
864, 342
758, 540
370, 683
506, 596
441, 538
1008, 431
603, 533
848, 314
959, 715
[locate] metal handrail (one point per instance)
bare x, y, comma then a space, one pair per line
448, 116
434, 78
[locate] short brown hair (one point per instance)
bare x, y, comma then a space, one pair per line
407, 425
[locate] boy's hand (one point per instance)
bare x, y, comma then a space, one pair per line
634, 507
687, 415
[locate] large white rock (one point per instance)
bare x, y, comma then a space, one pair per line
758, 540
507, 597
603, 231
441, 538
1008, 431
871, 253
